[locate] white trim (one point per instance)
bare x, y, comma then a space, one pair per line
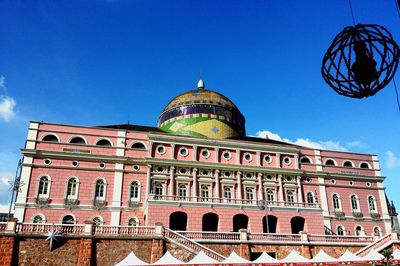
62, 218
103, 138
98, 216
105, 188
323, 197
130, 191
121, 140
182, 149
161, 146
117, 194
134, 218
247, 160
344, 229
375, 204
369, 166
47, 195
305, 156
318, 160
289, 160
77, 188
141, 142
339, 201
269, 161
205, 156
357, 201
38, 214
333, 160
384, 207
351, 162
376, 166
26, 171
228, 153
48, 134
362, 230
77, 136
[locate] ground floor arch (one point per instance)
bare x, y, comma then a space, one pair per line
210, 222
178, 221
297, 224
240, 221
270, 223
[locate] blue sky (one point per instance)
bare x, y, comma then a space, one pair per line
110, 62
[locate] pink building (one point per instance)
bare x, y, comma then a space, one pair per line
198, 171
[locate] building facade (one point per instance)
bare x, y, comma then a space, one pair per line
198, 171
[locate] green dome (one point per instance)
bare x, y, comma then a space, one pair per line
202, 113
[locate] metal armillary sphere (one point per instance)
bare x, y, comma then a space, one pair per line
360, 61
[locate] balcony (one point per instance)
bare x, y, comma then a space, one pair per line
358, 215
259, 204
42, 201
99, 204
71, 203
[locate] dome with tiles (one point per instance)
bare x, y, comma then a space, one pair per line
202, 113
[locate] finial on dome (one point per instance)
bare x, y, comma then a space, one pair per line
200, 84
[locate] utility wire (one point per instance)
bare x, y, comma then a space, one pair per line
352, 13
397, 94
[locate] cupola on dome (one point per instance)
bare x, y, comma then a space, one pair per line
202, 113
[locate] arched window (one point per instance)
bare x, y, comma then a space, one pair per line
354, 202
270, 223
77, 140
340, 230
134, 191
270, 196
290, 197
336, 202
100, 190
138, 145
43, 188
377, 231
182, 191
97, 220
348, 164
205, 192
228, 194
68, 219
364, 165
359, 231
104, 142
330, 162
133, 221
250, 194
371, 204
72, 188
310, 198
50, 138
38, 219
297, 223
305, 160
158, 189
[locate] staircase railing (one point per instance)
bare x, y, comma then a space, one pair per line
176, 237
374, 245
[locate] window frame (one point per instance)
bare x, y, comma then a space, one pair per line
73, 197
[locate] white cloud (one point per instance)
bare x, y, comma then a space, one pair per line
7, 105
4, 208
322, 145
356, 144
5, 177
392, 160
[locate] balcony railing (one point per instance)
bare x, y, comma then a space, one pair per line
260, 203
124, 230
199, 236
44, 228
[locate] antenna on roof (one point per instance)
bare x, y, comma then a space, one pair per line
200, 84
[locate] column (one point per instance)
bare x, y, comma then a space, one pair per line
237, 156
194, 153
278, 160
194, 175
260, 188
299, 190
239, 185
324, 202
216, 155
217, 184
26, 172
384, 207
171, 181
281, 199
117, 194
150, 149
258, 155
296, 161
172, 151
148, 181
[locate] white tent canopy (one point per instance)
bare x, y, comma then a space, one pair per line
131, 259
323, 257
202, 258
168, 259
373, 255
396, 254
294, 257
348, 256
235, 258
265, 258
